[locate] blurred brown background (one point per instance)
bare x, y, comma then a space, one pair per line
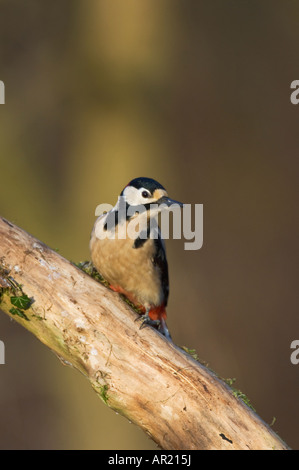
197, 95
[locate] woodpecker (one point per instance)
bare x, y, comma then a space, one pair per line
135, 263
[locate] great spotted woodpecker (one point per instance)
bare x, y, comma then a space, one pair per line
135, 264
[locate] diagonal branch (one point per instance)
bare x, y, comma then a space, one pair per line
172, 397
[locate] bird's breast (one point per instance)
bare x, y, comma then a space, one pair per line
130, 268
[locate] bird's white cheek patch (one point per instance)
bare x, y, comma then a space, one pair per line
132, 196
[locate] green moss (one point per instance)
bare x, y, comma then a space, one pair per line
89, 269
236, 393
137, 309
102, 391
192, 353
273, 421
2, 292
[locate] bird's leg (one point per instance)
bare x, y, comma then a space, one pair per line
160, 323
146, 320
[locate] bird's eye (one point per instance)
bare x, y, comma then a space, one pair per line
145, 194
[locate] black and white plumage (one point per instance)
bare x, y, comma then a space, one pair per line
135, 265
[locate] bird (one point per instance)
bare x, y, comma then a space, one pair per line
136, 265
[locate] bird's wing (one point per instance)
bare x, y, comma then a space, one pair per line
160, 261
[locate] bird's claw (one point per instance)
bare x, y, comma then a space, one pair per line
146, 320
160, 324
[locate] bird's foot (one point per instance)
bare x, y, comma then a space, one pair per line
160, 324
146, 320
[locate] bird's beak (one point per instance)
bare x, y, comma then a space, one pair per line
169, 202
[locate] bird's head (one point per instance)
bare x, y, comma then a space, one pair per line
146, 192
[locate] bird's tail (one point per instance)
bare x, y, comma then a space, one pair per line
159, 313
163, 328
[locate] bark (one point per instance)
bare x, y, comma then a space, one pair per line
137, 372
